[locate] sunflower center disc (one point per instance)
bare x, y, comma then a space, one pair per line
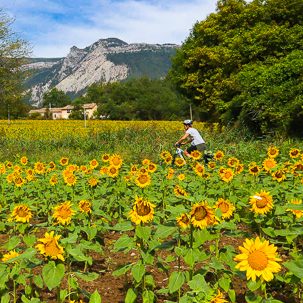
116, 161
21, 213
143, 179
200, 213
257, 260
227, 175
143, 210
299, 167
254, 169
261, 203
224, 207
65, 213
51, 248
185, 220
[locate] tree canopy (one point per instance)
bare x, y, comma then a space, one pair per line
13, 53
244, 64
55, 97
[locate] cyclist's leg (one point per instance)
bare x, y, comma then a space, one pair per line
189, 150
202, 148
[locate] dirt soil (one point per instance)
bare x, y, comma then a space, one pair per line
113, 289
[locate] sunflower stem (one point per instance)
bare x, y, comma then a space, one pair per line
68, 278
15, 291
191, 236
58, 293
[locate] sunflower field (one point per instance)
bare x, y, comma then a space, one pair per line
108, 230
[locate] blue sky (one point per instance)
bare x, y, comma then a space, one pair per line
53, 26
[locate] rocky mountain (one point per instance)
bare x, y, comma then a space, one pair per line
105, 60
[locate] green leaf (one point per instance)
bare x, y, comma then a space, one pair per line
122, 269
95, 297
5, 298
191, 257
224, 283
27, 254
148, 296
131, 296
38, 281
143, 232
164, 231
176, 280
53, 274
254, 285
90, 231
77, 254
125, 226
232, 295
250, 297
198, 283
29, 240
138, 271
123, 242
296, 267
12, 243
87, 276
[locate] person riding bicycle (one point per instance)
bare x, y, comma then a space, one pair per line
196, 139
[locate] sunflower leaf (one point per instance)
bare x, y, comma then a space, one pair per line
176, 280
296, 267
53, 274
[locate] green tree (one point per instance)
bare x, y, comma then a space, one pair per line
216, 64
55, 97
13, 53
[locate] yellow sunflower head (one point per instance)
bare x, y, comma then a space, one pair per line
21, 213
23, 160
63, 213
199, 169
196, 155
254, 169
258, 259
179, 162
51, 165
168, 159
218, 298
279, 175
295, 212
18, 181
2, 169
272, 152
233, 162
113, 171
105, 157
63, 161
10, 255
70, 180
145, 161
142, 211
294, 153
269, 164
165, 154
202, 215
261, 202
227, 175
85, 206
39, 168
142, 180
9, 165
179, 191
104, 170
212, 165
151, 167
53, 180
133, 169
219, 155
181, 177
226, 207
93, 182
170, 174
183, 221
297, 168
50, 246
83, 168
239, 168
93, 163
116, 160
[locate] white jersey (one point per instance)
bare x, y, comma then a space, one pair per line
195, 136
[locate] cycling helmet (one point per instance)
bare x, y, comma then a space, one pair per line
188, 122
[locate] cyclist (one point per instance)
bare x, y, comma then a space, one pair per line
195, 139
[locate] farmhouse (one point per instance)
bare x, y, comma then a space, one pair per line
57, 112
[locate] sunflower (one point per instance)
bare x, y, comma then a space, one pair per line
64, 161
71, 180
9, 164
39, 168
212, 165
219, 155
113, 171
170, 174
261, 202
233, 162
93, 163
9, 178
165, 154
2, 169
104, 170
199, 169
142, 211
18, 181
196, 155
218, 298
105, 158
52, 166
272, 152
254, 169
142, 180
21, 213
53, 180
179, 191
143, 170
221, 170
258, 259
50, 246
206, 176
239, 168
145, 161
226, 208
181, 177
85, 206
116, 160
168, 160
66, 173
269, 164
287, 166
83, 168
134, 169
279, 175
297, 168
227, 175
183, 221
93, 182
202, 215
294, 153
63, 213
297, 213
30, 172
179, 162
71, 168
151, 167
10, 255
23, 160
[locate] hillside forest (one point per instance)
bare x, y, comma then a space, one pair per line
241, 66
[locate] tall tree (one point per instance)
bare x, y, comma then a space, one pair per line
13, 53
55, 97
217, 63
